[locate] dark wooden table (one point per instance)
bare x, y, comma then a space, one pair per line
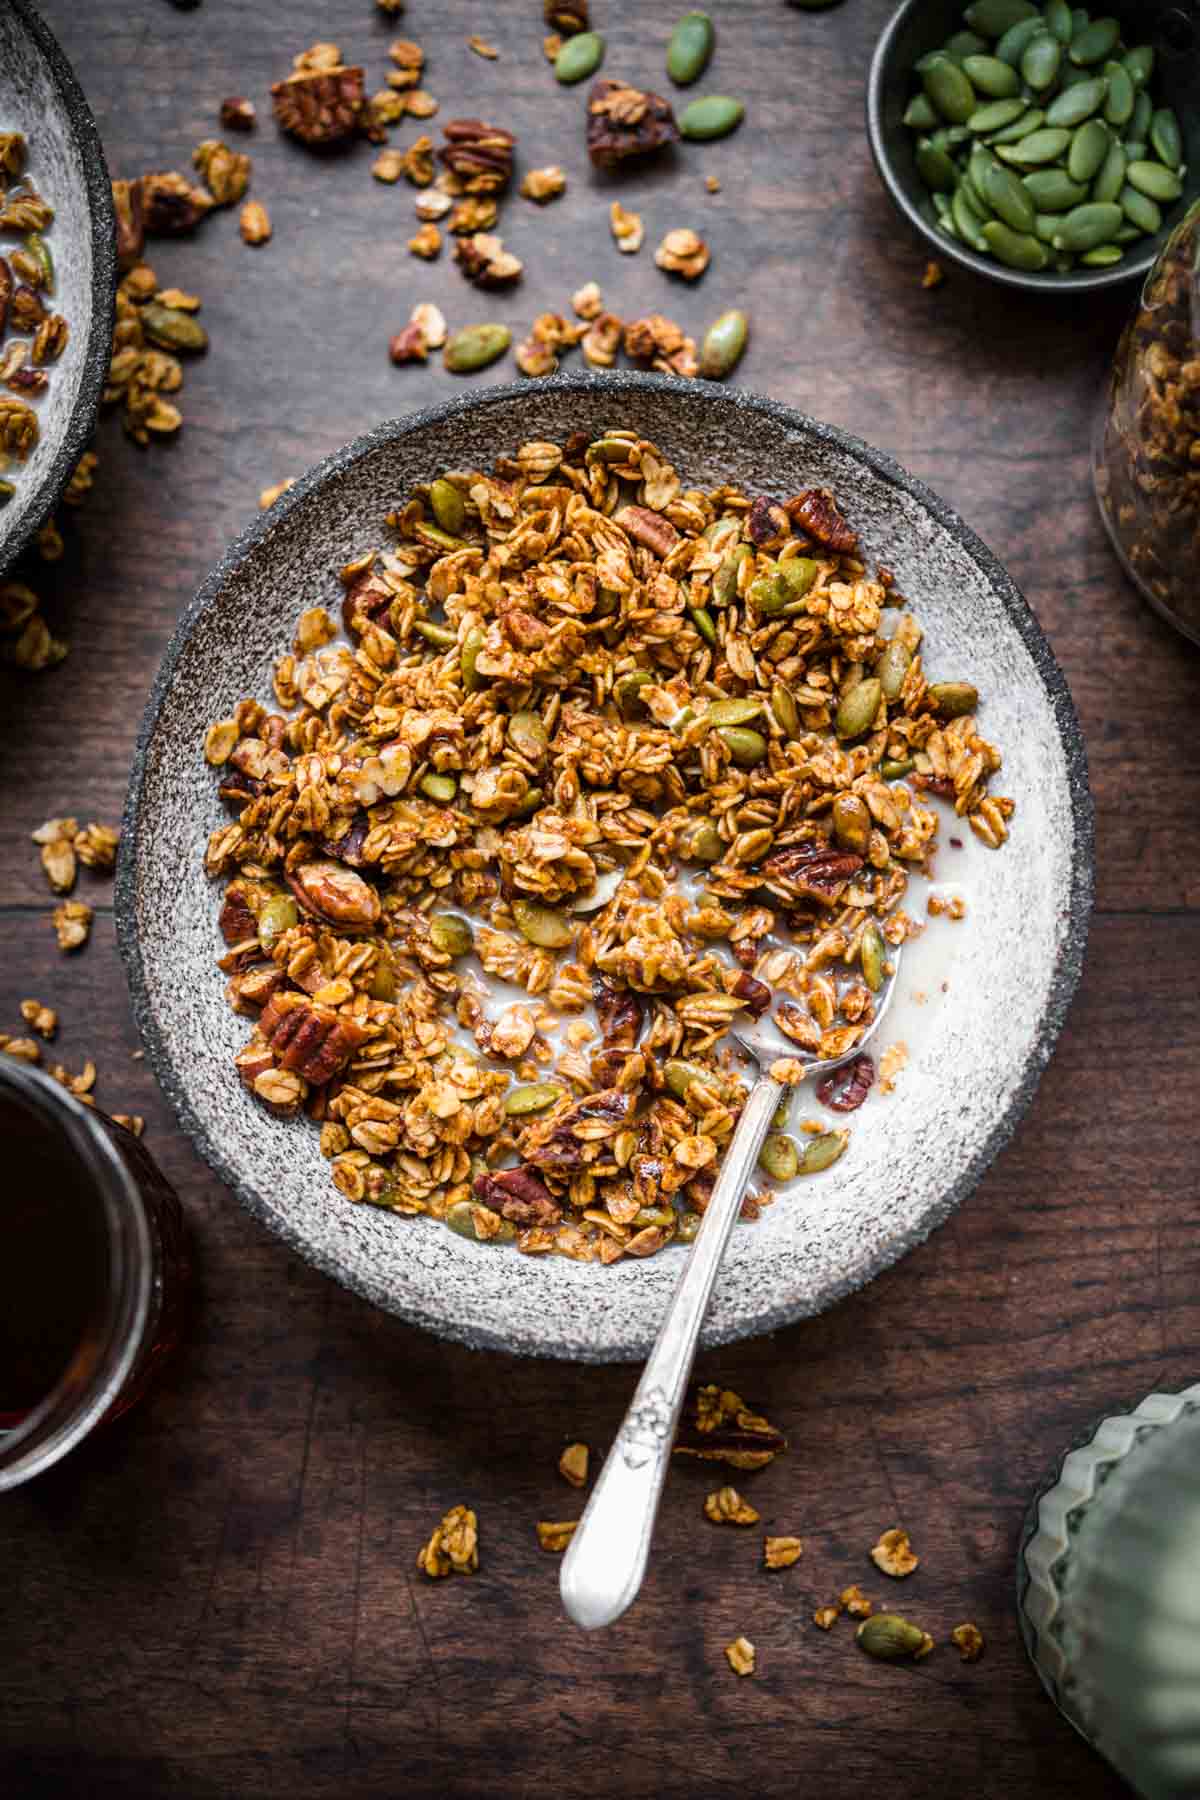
218, 1598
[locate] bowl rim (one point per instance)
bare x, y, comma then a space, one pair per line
1087, 281
98, 350
1064, 979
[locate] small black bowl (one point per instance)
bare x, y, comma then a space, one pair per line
1171, 26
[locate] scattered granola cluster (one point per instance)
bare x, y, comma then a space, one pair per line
63, 846
36, 334
43, 1020
565, 683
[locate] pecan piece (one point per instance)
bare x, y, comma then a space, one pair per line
170, 204
648, 528
623, 122
755, 993
408, 346
767, 520
519, 1195
816, 512
238, 114
811, 871
348, 848
366, 603
846, 1088
313, 1041
28, 308
620, 1015
238, 920
485, 262
320, 106
129, 208
590, 1120
336, 895
480, 155
718, 1426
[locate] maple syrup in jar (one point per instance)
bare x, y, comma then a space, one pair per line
94, 1271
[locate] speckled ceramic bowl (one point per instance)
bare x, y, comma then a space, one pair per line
41, 97
998, 987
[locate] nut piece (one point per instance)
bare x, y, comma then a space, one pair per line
893, 1554
18, 428
573, 1465
96, 846
426, 243
717, 1426
171, 205
781, 1552
889, 1638
682, 252
336, 894
320, 106
587, 302
623, 122
454, 1546
555, 1537
740, 1656
72, 924
855, 1602
484, 260
725, 1506
480, 155
44, 1020
544, 184
311, 1040
225, 172
57, 840
627, 228
254, 223
238, 114
968, 1637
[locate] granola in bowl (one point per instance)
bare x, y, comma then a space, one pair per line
592, 763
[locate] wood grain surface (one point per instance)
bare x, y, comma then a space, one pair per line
218, 1598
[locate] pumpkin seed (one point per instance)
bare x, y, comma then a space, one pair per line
460, 1218
690, 47
784, 710
627, 691
797, 575
1095, 43
949, 90
1017, 249
991, 76
954, 699
450, 934
1022, 127
530, 804
734, 712
1086, 226
745, 747
1089, 147
441, 635
705, 843
528, 735
1135, 150
967, 220
724, 342
1118, 102
679, 1075
963, 44
1166, 139
779, 1118
996, 114
919, 114
7, 490
171, 329
1053, 191
609, 450
1111, 177
1128, 234
1103, 256
852, 822
780, 1156
472, 644
893, 768
1011, 46
896, 658
857, 709
1075, 104
702, 619
686, 1229
277, 916
1157, 183
535, 1097
1139, 64
475, 346
715, 116
449, 507
726, 578
1044, 146
383, 981
39, 249
992, 18
1040, 60
872, 955
1044, 227
1143, 112
822, 1152
441, 788
768, 595
1008, 198
1057, 15
579, 57
888, 1637
1140, 210
541, 925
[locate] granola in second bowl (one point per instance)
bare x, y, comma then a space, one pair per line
594, 737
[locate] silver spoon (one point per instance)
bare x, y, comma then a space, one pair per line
606, 1559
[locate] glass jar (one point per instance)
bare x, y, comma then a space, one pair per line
93, 1274
1146, 460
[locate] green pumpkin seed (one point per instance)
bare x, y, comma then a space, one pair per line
687, 1228
702, 619
797, 575
39, 249
779, 1118
1031, 121
441, 635
1057, 15
1075, 104
851, 819
872, 955
1017, 249
1157, 183
460, 1218
530, 804
780, 1156
996, 115
725, 581
441, 788
1012, 45
1086, 226
1095, 43
1008, 198
172, 329
1111, 177
679, 1075
822, 1152
1143, 112
949, 90
705, 844
627, 691
954, 699
1166, 139
715, 116
888, 1637
1129, 234
579, 57
1040, 60
946, 224
451, 935
1140, 210
7, 491
992, 18
449, 507
963, 44
724, 342
1044, 227
919, 114
894, 768
990, 76
528, 735
857, 709
784, 710
1140, 64
895, 660
1102, 256
1053, 191
1135, 150
1089, 148
1044, 146
767, 595
734, 712
967, 221
690, 47
747, 748
535, 1097
609, 450
475, 347
954, 135
1118, 102
541, 925
935, 167
277, 916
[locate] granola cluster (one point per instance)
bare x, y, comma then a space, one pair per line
599, 766
32, 335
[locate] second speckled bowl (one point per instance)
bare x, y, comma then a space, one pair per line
1009, 969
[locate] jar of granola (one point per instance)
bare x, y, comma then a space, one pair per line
1146, 460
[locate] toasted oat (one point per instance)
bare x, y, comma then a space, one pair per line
96, 846
131, 1121
430, 205
588, 302
418, 162
725, 1506
23, 1048
481, 47
573, 1465
254, 223
453, 1548
419, 104
740, 1656
544, 184
43, 1019
427, 242
683, 252
712, 183
855, 1602
781, 1552
72, 924
827, 1616
894, 1555
933, 276
226, 172
555, 1536
266, 500
627, 228
57, 840
388, 166
969, 1639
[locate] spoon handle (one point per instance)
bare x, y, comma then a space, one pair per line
606, 1559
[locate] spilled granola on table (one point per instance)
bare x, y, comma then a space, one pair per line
32, 334
592, 765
